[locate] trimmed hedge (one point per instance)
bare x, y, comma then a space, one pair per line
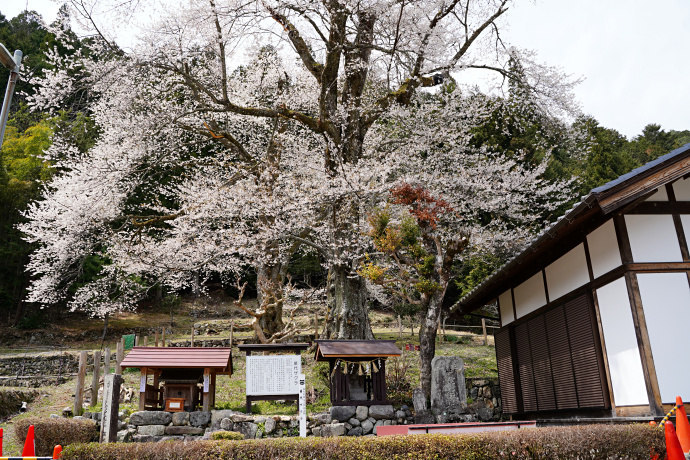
580, 442
50, 432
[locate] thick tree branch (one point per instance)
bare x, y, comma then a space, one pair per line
314, 67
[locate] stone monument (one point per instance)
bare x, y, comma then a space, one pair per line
448, 392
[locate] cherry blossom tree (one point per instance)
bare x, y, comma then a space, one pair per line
234, 131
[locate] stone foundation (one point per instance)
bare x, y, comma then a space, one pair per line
154, 426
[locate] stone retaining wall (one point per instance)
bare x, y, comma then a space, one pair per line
153, 426
39, 370
485, 395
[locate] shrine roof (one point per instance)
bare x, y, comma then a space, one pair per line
355, 349
219, 359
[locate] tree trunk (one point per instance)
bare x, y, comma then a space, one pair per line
427, 339
348, 316
268, 289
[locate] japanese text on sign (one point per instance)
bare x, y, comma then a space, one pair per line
273, 375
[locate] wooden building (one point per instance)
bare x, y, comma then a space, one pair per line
187, 375
357, 370
593, 311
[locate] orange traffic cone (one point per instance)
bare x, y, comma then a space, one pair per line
673, 449
29, 444
683, 430
57, 451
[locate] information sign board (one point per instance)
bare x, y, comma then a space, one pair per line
273, 375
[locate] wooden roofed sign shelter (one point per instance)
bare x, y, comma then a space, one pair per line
357, 370
188, 376
590, 310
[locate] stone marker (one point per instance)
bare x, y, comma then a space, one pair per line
418, 400
111, 407
448, 390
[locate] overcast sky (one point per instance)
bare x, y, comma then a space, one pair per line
633, 54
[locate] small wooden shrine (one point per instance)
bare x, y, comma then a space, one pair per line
357, 370
187, 375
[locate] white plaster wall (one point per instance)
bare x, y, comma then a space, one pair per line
603, 249
505, 302
681, 188
659, 195
653, 238
567, 273
530, 295
666, 304
627, 378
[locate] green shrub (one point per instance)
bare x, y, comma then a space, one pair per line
581, 442
227, 436
50, 432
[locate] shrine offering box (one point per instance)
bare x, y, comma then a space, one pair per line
174, 404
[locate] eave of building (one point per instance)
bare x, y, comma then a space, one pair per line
594, 208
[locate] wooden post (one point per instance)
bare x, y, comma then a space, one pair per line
156, 385
142, 389
136, 340
94, 381
79, 390
191, 343
232, 332
119, 356
316, 326
146, 340
106, 362
111, 406
444, 328
206, 388
486, 340
156, 338
400, 327
164, 337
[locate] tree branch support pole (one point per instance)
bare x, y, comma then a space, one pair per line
486, 339
316, 326
79, 390
192, 339
94, 381
106, 362
119, 356
156, 343
232, 332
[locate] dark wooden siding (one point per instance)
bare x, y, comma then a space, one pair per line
541, 362
561, 361
557, 360
506, 372
525, 368
586, 362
